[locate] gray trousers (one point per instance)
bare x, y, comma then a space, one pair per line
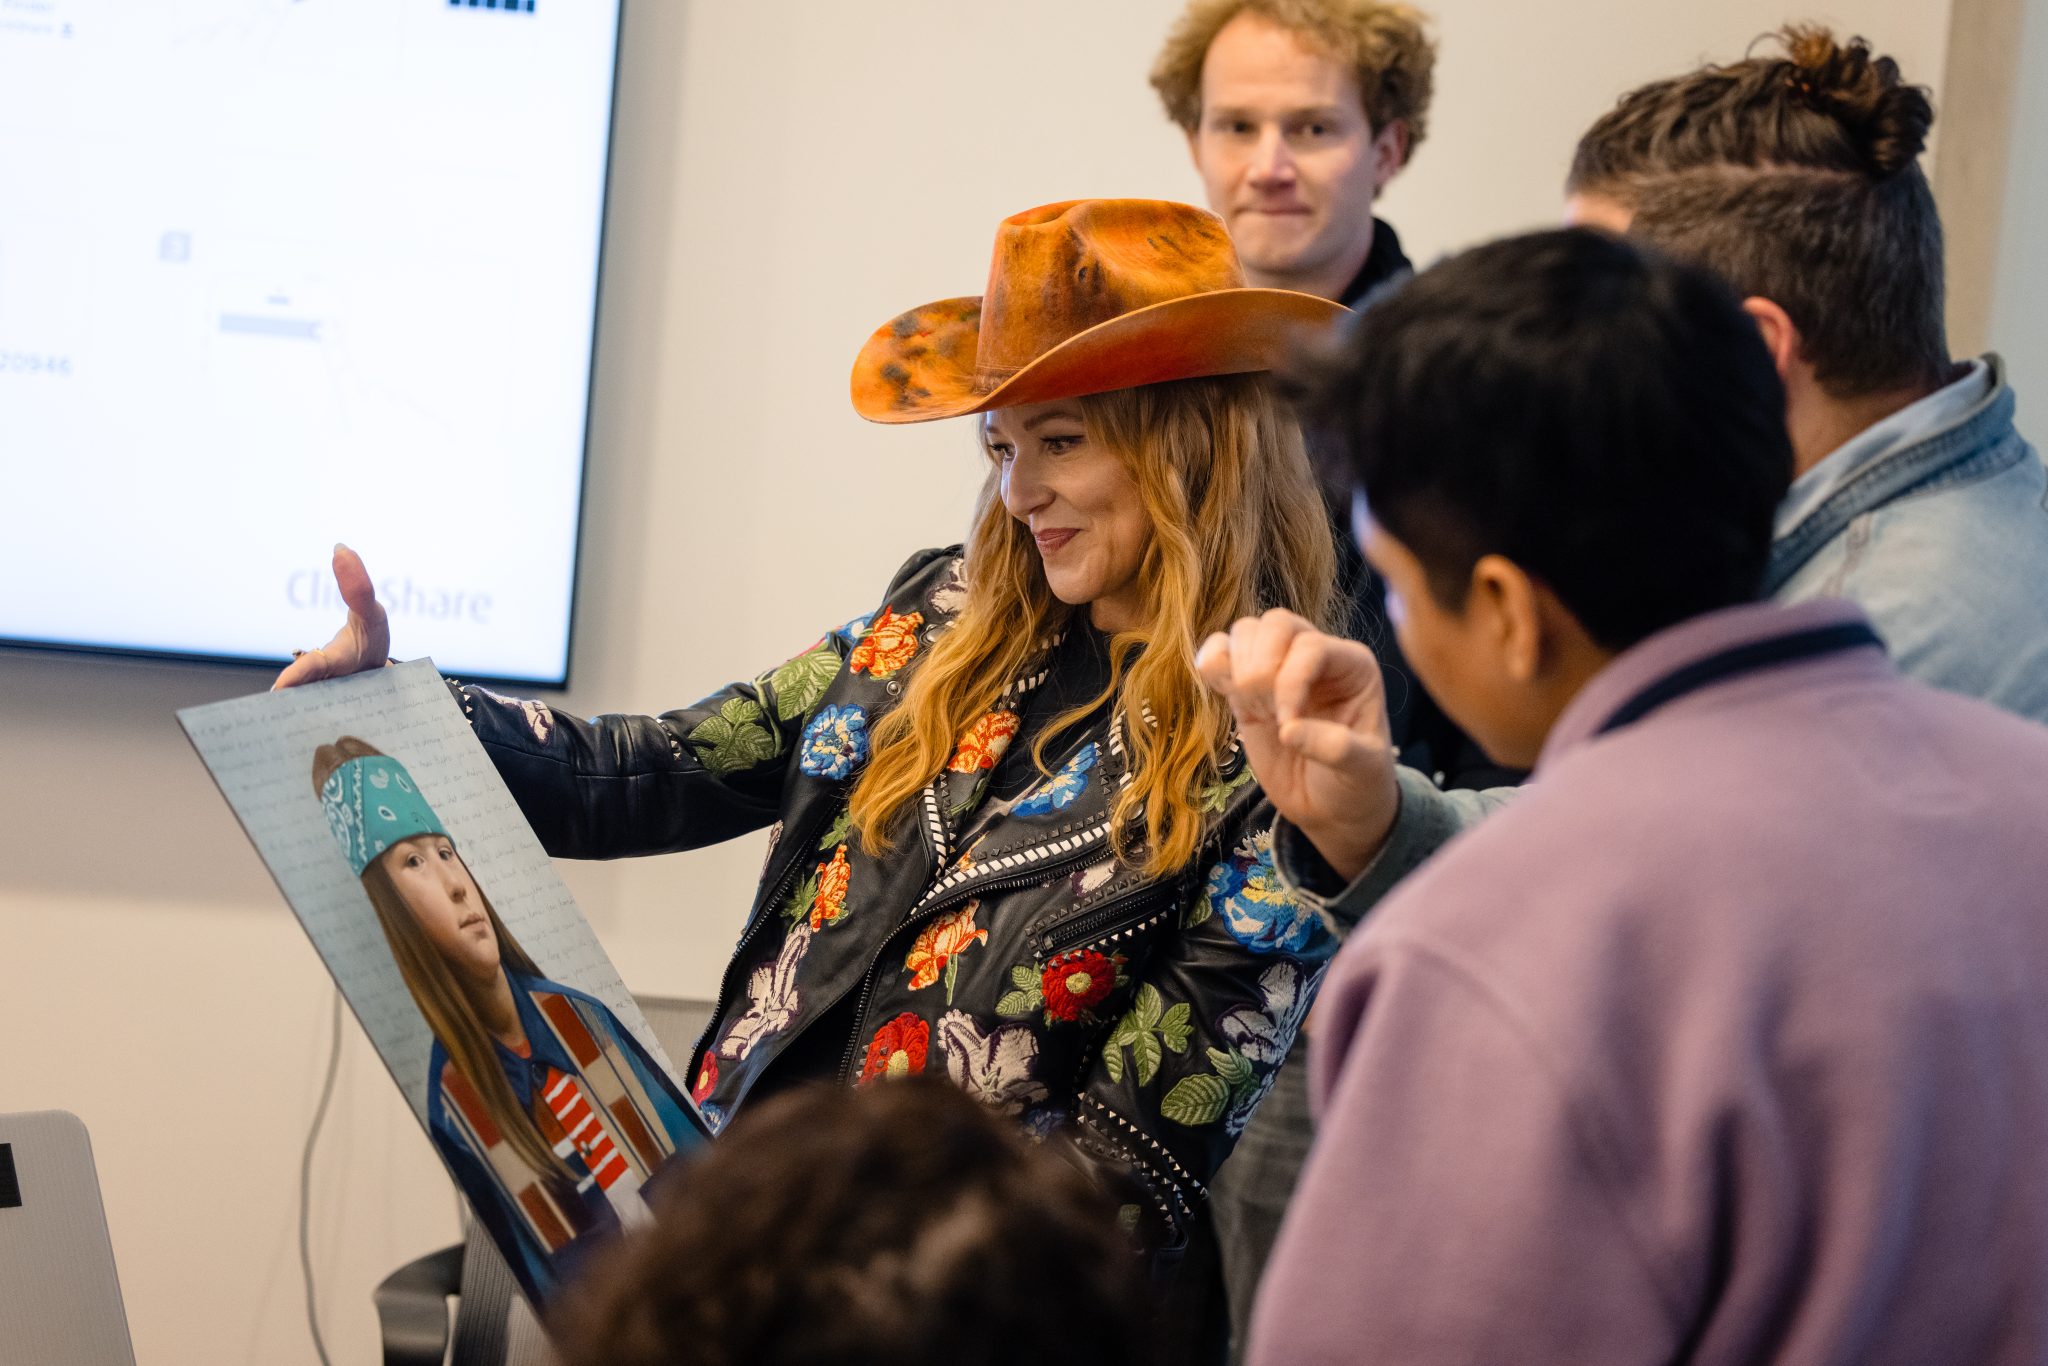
1250, 1191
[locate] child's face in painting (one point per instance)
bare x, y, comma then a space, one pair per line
443, 898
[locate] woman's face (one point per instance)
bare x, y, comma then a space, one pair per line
1082, 505
437, 888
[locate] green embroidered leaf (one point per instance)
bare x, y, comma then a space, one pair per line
1113, 1061
1146, 1052
1217, 795
1017, 1003
952, 975
1175, 1028
800, 682
836, 836
1195, 1101
1026, 977
970, 799
734, 739
1235, 1069
1146, 1007
1197, 913
1127, 1218
799, 903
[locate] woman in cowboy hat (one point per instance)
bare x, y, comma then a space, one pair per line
1015, 841
548, 1112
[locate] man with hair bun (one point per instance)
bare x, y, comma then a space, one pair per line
1796, 177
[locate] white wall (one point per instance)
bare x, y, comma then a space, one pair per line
2018, 297
788, 176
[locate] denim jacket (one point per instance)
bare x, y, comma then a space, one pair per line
1943, 541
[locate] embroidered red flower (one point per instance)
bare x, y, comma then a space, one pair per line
981, 747
830, 902
898, 1049
707, 1079
890, 642
1076, 982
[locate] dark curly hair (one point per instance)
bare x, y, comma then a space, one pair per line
1795, 174
903, 1224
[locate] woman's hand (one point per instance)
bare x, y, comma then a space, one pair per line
1313, 721
364, 640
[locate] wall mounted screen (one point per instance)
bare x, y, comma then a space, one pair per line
277, 273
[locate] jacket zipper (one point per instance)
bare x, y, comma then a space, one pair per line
1100, 924
753, 931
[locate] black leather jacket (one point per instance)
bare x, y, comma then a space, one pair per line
1141, 1017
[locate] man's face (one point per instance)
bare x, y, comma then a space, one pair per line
1460, 656
1285, 153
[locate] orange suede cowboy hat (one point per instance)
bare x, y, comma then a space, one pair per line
1084, 297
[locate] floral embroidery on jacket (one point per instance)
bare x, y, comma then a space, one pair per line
1256, 907
1217, 795
898, 1049
1086, 880
1151, 1029
773, 995
734, 739
1062, 789
707, 1079
1067, 988
938, 947
982, 746
828, 901
1264, 1036
951, 596
798, 683
890, 642
1242, 1074
835, 742
994, 1067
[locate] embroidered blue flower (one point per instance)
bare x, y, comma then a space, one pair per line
835, 742
853, 630
1246, 893
1062, 789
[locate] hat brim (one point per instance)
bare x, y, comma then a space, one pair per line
921, 366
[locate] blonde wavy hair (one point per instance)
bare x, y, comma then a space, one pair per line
1237, 526
1385, 43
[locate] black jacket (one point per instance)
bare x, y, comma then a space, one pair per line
1142, 1017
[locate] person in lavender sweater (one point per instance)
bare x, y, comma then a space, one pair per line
1726, 1040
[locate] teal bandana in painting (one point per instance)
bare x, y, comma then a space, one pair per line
371, 804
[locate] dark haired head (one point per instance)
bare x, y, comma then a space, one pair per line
903, 1224
1795, 175
1607, 419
